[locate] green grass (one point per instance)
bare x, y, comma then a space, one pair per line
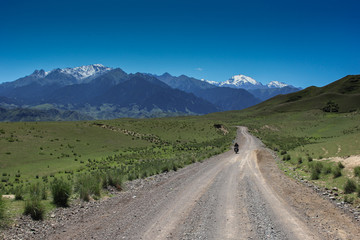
89, 153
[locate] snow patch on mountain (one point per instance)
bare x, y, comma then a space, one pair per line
88, 71
241, 81
277, 84
211, 82
245, 82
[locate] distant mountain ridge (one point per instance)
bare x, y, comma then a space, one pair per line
62, 77
101, 93
260, 91
222, 97
245, 82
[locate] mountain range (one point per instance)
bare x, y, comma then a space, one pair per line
99, 92
260, 91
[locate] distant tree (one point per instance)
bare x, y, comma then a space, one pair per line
331, 106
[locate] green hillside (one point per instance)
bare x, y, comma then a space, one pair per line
344, 92
47, 148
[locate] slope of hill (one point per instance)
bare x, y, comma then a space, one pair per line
344, 92
32, 115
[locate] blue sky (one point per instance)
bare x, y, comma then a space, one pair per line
299, 42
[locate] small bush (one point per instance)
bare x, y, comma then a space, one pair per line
283, 152
19, 192
61, 191
357, 171
317, 166
327, 170
44, 194
348, 199
114, 178
315, 175
337, 172
287, 157
350, 186
35, 191
300, 161
34, 208
86, 185
340, 165
2, 209
310, 159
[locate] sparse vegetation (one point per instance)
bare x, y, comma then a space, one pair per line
19, 192
337, 172
357, 171
33, 205
87, 185
2, 211
61, 191
340, 165
350, 186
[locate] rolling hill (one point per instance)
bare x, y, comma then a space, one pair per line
344, 92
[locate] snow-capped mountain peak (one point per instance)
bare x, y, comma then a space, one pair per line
248, 83
277, 84
88, 71
241, 81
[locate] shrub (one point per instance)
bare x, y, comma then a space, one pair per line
86, 185
44, 194
310, 159
317, 166
357, 171
2, 209
300, 161
315, 175
283, 152
34, 208
61, 191
35, 191
327, 170
350, 186
18, 191
340, 165
337, 172
287, 157
348, 199
114, 178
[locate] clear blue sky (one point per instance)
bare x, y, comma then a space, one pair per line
299, 42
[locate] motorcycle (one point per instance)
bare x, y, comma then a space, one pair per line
236, 150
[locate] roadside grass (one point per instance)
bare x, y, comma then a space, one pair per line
90, 156
312, 136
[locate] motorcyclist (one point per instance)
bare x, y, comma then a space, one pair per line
236, 147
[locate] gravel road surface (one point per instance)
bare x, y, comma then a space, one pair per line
229, 196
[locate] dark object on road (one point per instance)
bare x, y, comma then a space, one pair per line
236, 148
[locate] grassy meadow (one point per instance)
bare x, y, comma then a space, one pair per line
33, 155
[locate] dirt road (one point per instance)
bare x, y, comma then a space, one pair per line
230, 196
